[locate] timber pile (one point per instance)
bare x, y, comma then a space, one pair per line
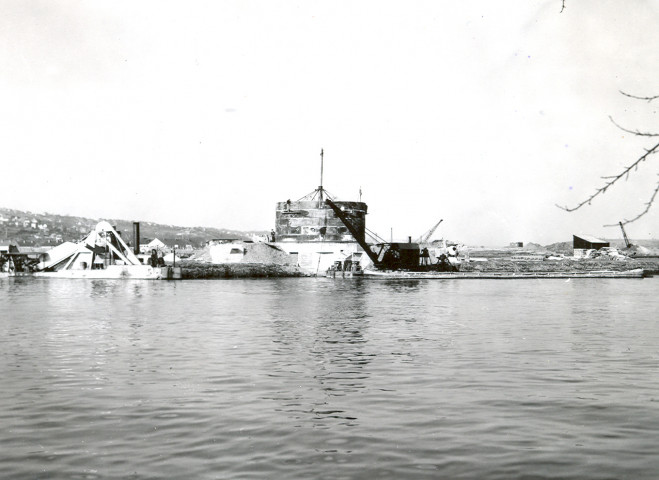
197, 270
651, 266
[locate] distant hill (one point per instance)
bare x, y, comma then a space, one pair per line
560, 247
26, 228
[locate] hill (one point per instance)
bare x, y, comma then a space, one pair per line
26, 228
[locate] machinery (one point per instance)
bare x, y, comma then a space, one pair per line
624, 235
102, 254
393, 255
426, 236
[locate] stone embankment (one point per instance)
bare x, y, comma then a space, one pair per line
199, 270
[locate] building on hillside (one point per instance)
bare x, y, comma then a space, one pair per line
217, 241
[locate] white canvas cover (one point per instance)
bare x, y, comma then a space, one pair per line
157, 244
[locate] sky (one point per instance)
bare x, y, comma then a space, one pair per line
483, 114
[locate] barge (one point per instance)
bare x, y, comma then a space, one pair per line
408, 275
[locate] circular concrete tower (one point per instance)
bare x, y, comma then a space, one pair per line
315, 221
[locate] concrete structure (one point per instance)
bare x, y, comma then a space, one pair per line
310, 231
316, 257
314, 237
314, 221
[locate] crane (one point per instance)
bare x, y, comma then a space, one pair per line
624, 235
391, 256
354, 232
426, 236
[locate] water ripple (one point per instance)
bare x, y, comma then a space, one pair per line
311, 378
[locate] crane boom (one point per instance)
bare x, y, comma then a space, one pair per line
426, 236
353, 231
624, 235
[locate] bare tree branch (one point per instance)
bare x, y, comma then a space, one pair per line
614, 179
648, 99
647, 209
634, 132
562, 7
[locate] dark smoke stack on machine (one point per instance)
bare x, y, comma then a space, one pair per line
136, 238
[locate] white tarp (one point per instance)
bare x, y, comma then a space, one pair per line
226, 253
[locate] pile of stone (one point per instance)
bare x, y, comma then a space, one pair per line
265, 253
610, 253
259, 252
202, 256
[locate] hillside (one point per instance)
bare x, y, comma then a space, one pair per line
25, 228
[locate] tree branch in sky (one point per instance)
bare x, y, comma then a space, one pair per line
649, 99
611, 180
647, 209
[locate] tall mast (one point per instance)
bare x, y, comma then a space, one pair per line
320, 188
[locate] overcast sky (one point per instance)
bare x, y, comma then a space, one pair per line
485, 114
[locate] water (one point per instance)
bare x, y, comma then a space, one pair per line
322, 379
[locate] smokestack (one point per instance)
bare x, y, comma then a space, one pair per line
136, 237
409, 239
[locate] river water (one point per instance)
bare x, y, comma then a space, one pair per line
329, 379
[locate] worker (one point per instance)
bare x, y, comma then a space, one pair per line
425, 257
153, 260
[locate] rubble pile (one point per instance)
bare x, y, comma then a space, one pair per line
610, 253
259, 252
202, 256
265, 253
533, 247
640, 250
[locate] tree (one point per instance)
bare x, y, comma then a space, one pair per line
611, 180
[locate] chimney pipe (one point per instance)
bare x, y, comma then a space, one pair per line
409, 239
136, 237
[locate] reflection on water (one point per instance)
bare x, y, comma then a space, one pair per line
318, 378
326, 331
